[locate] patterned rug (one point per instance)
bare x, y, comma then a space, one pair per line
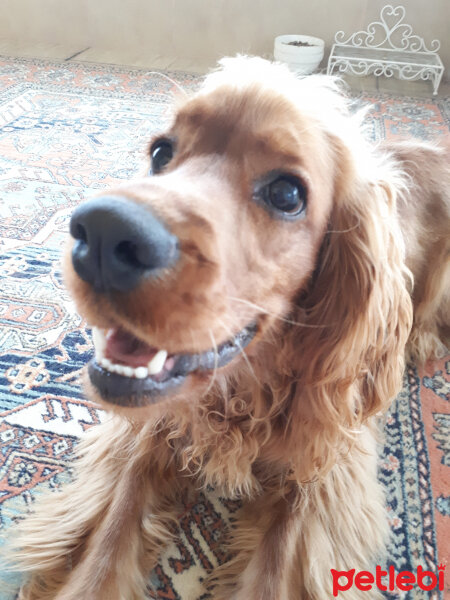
66, 130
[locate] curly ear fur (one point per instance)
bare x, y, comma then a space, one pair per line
358, 314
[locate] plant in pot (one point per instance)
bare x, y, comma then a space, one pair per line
302, 53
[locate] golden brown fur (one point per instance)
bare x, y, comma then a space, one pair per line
425, 227
289, 426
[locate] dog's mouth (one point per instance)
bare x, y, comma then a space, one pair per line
127, 371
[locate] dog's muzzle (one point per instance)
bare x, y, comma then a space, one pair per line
118, 242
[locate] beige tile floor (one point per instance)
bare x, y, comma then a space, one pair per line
130, 58
133, 58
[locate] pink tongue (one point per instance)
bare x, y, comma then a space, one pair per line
122, 347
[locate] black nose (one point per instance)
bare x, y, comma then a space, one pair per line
118, 242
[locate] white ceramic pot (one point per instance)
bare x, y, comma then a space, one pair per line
303, 59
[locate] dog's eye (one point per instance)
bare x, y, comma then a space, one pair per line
161, 154
285, 194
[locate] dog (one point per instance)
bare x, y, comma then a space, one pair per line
252, 298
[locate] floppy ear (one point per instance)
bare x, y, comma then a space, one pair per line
349, 359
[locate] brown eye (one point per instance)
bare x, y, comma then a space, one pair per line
161, 154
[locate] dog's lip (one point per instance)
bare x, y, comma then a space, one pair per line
130, 391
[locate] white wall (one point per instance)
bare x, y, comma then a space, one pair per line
204, 30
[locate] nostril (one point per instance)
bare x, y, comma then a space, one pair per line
79, 232
127, 252
118, 242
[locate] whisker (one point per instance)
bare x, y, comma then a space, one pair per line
172, 81
242, 351
355, 226
272, 314
216, 361
191, 333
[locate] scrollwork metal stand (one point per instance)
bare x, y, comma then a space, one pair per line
388, 47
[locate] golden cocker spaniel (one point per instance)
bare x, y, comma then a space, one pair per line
251, 300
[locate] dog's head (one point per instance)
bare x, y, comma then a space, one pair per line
262, 228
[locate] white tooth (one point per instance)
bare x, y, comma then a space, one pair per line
106, 363
141, 372
156, 365
127, 371
99, 342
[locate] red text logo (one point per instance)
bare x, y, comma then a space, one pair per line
388, 580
